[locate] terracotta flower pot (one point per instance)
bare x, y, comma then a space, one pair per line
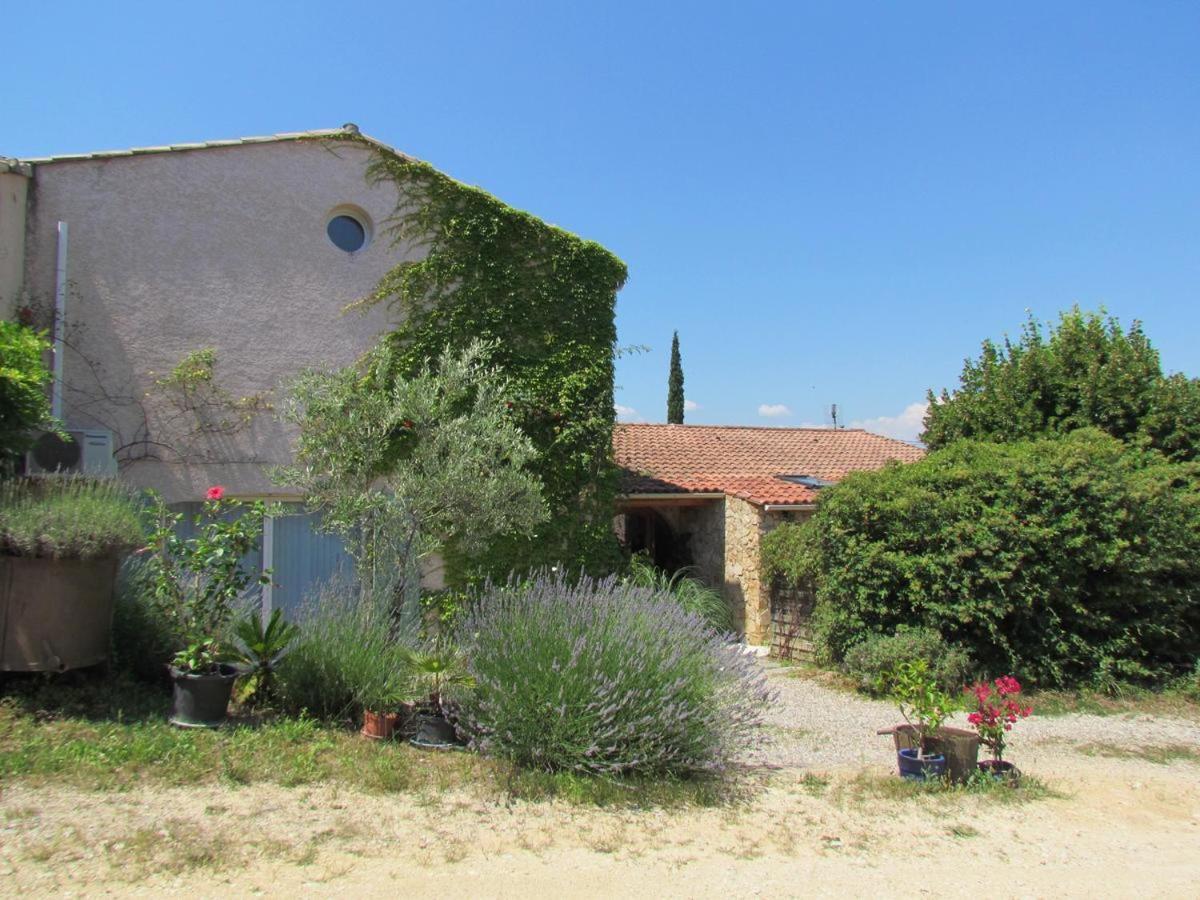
380, 726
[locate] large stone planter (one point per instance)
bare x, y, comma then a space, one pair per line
55, 614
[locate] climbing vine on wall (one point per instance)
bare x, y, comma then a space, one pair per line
546, 300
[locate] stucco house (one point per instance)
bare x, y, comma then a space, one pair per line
704, 496
192, 282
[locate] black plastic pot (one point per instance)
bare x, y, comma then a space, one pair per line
917, 768
202, 700
433, 732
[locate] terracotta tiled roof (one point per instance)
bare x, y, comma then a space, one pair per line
746, 461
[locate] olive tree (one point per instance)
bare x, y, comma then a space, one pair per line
400, 467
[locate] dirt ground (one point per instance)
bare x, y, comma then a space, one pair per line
1115, 826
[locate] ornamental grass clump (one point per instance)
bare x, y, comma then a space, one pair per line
606, 678
68, 517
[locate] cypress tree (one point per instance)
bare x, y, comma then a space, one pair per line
675, 385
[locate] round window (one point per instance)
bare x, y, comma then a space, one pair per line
347, 233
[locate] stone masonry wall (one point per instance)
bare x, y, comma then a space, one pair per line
744, 528
704, 527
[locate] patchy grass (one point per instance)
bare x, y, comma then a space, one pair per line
1159, 755
871, 786
830, 678
1129, 701
111, 735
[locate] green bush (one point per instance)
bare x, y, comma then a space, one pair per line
350, 654
872, 659
606, 678
68, 517
145, 635
1060, 560
24, 406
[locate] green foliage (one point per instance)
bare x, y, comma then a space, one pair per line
351, 655
68, 517
872, 659
544, 300
193, 388
1087, 372
675, 385
921, 702
437, 674
145, 636
693, 595
1063, 560
605, 678
199, 656
787, 552
112, 734
200, 580
260, 649
402, 465
24, 406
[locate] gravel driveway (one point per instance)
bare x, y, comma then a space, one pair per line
812, 725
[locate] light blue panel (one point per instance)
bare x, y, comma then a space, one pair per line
304, 559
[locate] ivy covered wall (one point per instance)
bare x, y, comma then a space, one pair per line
547, 299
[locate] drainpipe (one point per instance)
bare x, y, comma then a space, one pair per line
60, 309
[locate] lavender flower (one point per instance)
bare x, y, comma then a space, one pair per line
606, 678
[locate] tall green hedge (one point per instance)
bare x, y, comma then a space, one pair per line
546, 299
1060, 560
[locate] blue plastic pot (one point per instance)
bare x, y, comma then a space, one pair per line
915, 769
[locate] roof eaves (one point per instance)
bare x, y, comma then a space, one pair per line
203, 145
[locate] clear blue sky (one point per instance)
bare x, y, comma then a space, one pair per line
832, 202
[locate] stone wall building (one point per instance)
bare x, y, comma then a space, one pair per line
705, 495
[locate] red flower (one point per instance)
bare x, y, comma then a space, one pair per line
216, 492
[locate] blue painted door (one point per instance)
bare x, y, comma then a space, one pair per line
304, 559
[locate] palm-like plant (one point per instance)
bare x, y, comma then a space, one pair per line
437, 673
260, 649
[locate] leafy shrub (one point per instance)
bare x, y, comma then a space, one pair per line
350, 654
606, 677
1056, 559
873, 658
68, 517
690, 593
1085, 372
145, 635
23, 377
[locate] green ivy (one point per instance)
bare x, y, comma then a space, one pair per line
545, 299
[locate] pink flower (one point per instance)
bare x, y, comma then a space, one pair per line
216, 492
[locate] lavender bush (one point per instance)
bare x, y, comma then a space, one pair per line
607, 678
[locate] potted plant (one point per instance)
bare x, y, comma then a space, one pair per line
260, 649
384, 697
436, 675
62, 538
925, 707
997, 708
200, 580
